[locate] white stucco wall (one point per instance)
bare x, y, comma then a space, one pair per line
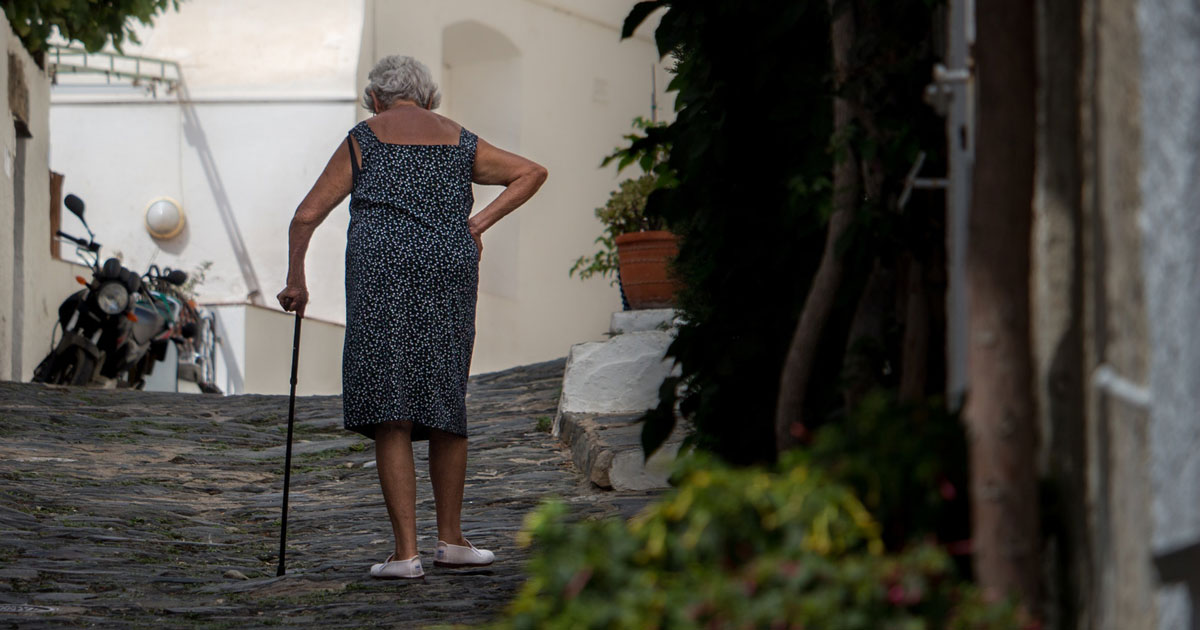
118, 158
270, 86
260, 48
1170, 188
260, 343
274, 85
32, 283
9, 275
564, 100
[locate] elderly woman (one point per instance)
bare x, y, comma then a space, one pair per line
412, 271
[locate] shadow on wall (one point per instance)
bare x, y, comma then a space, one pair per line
196, 137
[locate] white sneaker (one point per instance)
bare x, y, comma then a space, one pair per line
462, 556
398, 569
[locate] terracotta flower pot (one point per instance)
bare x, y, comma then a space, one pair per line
644, 258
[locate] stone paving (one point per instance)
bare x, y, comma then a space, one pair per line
135, 509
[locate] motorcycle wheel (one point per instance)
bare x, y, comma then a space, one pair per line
41, 374
135, 378
79, 368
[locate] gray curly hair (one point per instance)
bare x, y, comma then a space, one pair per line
400, 77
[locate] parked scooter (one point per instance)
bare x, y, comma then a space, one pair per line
163, 315
119, 324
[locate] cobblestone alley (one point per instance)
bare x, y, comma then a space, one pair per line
132, 509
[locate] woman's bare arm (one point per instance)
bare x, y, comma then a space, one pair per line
520, 177
331, 188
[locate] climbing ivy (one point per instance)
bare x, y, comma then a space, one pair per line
93, 23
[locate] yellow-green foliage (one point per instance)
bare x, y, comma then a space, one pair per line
738, 548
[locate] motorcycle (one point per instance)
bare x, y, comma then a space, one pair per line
119, 324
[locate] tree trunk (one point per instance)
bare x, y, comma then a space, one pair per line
877, 301
798, 367
1000, 413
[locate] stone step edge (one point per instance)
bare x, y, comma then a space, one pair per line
583, 434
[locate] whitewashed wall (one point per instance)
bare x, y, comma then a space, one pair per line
260, 345
270, 86
32, 283
1170, 188
551, 80
274, 85
118, 158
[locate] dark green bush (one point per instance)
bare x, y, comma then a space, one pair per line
907, 461
752, 148
740, 548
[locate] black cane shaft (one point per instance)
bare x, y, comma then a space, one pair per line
295, 356
287, 465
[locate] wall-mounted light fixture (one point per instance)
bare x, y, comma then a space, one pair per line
164, 218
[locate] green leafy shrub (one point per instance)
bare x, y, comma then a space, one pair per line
620, 215
739, 548
651, 157
624, 212
93, 23
907, 461
752, 149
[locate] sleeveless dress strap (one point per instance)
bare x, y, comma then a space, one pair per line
354, 168
364, 137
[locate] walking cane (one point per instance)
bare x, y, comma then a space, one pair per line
287, 465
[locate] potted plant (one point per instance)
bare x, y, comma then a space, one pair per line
639, 249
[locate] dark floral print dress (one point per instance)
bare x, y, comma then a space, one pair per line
412, 278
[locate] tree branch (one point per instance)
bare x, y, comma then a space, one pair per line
798, 366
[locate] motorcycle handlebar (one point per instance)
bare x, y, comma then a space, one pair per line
95, 247
73, 239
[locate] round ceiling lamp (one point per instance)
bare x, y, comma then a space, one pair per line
164, 218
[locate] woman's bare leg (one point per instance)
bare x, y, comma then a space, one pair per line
448, 472
397, 477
